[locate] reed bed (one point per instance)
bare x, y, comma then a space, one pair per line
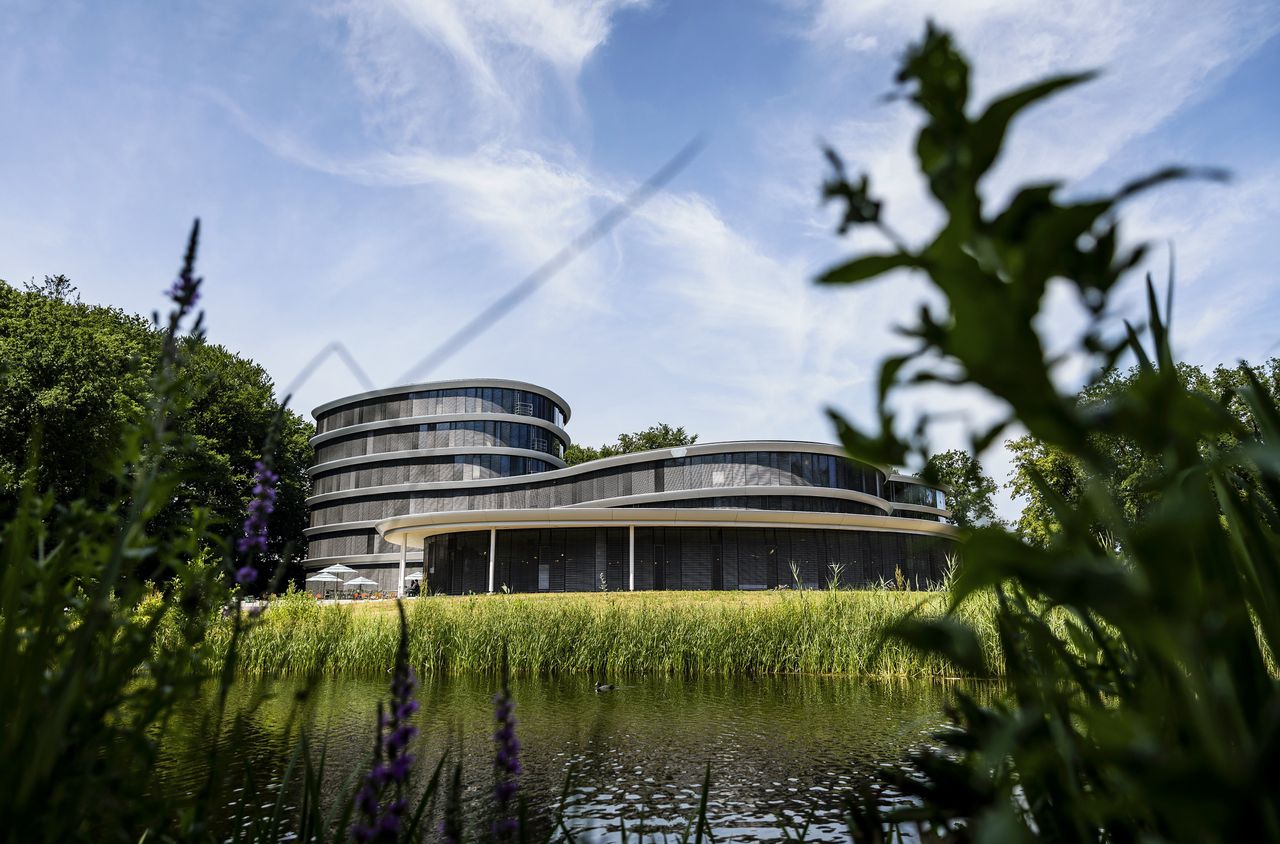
611, 634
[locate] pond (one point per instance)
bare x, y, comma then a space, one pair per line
785, 752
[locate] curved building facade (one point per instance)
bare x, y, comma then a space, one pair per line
464, 483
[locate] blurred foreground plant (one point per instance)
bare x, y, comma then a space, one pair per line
1154, 714
83, 684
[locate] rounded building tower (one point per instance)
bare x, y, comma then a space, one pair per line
375, 450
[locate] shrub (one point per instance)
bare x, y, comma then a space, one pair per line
1151, 713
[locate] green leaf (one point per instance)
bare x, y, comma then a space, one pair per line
1169, 174
868, 267
885, 450
989, 129
944, 636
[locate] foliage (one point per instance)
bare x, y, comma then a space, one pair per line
970, 490
78, 378
611, 634
57, 287
85, 687
1152, 714
1130, 469
658, 436
73, 375
1039, 467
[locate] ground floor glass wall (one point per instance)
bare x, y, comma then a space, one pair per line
591, 559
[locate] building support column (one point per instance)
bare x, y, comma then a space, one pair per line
404, 551
493, 556
631, 557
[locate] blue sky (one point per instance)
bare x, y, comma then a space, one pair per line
377, 172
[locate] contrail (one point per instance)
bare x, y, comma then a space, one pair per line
602, 226
334, 348
527, 286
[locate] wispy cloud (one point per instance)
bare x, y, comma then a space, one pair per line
450, 74
454, 95
473, 112
1156, 57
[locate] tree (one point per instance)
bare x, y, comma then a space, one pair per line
970, 490
55, 287
658, 436
231, 411
1043, 473
76, 377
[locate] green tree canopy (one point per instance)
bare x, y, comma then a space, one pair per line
74, 377
658, 436
1042, 472
970, 490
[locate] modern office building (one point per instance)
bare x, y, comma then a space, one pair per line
468, 477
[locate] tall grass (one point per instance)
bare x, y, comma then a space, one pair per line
612, 634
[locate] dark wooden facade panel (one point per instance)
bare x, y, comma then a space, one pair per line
573, 559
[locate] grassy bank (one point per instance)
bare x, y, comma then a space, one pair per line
609, 634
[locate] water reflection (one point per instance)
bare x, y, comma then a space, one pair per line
784, 752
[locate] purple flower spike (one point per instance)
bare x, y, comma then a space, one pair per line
506, 759
381, 801
261, 505
185, 292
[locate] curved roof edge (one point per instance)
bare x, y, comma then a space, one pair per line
444, 385
696, 449
357, 428
701, 448
768, 490
443, 451
401, 529
626, 501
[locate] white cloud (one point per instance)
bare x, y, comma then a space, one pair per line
450, 74
861, 42
1157, 59
1226, 294
766, 347
460, 90
1155, 56
452, 93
